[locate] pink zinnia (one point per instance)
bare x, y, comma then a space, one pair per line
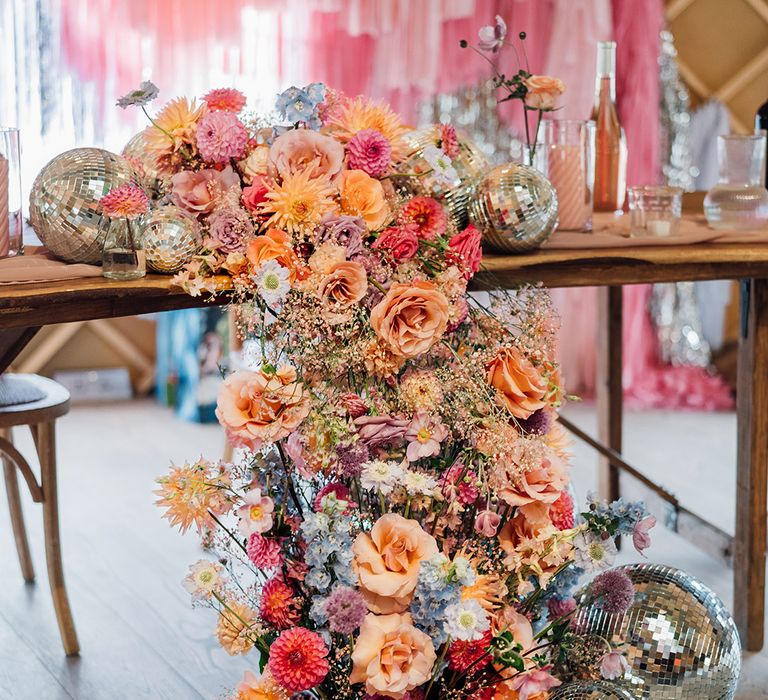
427, 215
264, 552
225, 100
370, 151
298, 659
449, 141
221, 136
127, 201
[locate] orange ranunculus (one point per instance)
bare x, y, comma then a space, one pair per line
411, 318
363, 196
520, 386
391, 656
543, 91
344, 286
259, 407
275, 245
387, 561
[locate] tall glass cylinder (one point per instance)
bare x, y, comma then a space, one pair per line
11, 230
565, 153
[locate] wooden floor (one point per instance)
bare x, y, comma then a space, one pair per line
140, 638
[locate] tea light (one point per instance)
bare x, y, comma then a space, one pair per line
655, 210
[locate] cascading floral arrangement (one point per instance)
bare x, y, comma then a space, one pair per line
398, 522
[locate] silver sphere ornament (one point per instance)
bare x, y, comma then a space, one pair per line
455, 193
515, 207
137, 153
679, 639
64, 205
590, 690
171, 237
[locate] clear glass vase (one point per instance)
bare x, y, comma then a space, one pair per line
11, 230
124, 257
739, 200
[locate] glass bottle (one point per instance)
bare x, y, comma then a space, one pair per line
739, 200
124, 257
610, 141
761, 125
11, 229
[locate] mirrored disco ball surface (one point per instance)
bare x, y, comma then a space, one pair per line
515, 207
170, 238
679, 639
470, 166
143, 161
64, 202
590, 690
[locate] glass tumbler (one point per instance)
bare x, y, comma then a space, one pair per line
11, 230
655, 210
739, 200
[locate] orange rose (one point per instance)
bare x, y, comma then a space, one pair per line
387, 561
363, 196
342, 288
259, 407
520, 387
391, 656
542, 484
543, 91
411, 318
275, 245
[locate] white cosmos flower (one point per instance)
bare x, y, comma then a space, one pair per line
203, 579
466, 620
379, 475
271, 280
440, 163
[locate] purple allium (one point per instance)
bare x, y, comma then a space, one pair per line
352, 457
345, 609
613, 591
538, 423
347, 231
230, 229
560, 606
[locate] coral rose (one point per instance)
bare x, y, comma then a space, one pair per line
542, 484
543, 91
520, 387
363, 196
261, 407
387, 561
253, 195
304, 150
342, 288
400, 241
275, 245
199, 191
411, 318
391, 656
467, 244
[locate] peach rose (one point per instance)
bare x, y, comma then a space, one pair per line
260, 407
255, 164
387, 561
342, 288
391, 656
520, 386
411, 318
302, 150
199, 191
543, 91
363, 196
275, 245
518, 625
540, 485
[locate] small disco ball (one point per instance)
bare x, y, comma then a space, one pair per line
470, 166
142, 159
171, 237
678, 637
515, 207
590, 690
64, 202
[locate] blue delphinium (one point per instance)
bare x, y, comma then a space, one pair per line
329, 550
299, 105
617, 518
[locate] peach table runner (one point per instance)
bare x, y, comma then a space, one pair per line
38, 265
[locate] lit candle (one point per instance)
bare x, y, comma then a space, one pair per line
5, 235
568, 177
659, 227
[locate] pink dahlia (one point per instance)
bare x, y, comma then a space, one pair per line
427, 215
346, 609
278, 607
221, 136
264, 552
225, 100
561, 512
449, 142
127, 201
370, 151
298, 659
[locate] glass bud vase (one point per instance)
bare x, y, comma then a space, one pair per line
739, 200
124, 257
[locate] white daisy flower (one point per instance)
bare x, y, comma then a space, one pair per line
203, 579
593, 553
271, 279
440, 163
466, 620
419, 484
381, 476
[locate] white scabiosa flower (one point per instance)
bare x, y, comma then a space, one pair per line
592, 552
381, 476
419, 484
466, 621
440, 163
272, 282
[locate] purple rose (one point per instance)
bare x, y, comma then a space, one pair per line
347, 231
230, 229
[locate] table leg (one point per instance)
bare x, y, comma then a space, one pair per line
609, 387
752, 465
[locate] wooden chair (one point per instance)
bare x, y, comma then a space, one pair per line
49, 402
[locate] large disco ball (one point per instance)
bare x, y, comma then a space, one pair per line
515, 207
171, 237
470, 166
590, 690
679, 639
64, 202
144, 162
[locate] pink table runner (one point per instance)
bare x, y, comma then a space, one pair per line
38, 265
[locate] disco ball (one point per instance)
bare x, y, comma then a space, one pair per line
679, 639
144, 162
470, 166
170, 238
590, 690
64, 202
515, 207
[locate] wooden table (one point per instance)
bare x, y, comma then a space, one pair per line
25, 308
